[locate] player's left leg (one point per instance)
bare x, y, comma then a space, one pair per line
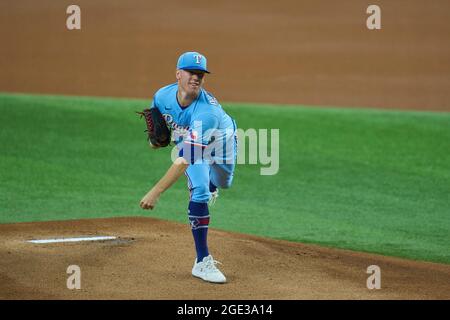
198, 180
198, 213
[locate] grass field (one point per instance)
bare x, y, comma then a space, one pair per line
366, 180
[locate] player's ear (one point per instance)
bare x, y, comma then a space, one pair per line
178, 74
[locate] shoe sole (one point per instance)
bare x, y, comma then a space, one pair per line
210, 281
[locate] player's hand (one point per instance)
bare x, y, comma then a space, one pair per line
150, 199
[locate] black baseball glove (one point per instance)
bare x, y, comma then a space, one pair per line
157, 131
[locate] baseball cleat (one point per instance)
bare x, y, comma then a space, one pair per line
214, 196
207, 270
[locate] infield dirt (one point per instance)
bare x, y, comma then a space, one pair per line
153, 260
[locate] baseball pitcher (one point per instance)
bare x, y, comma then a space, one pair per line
205, 137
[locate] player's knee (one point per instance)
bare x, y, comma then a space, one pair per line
201, 193
225, 183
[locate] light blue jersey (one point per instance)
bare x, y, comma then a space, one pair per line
203, 124
202, 127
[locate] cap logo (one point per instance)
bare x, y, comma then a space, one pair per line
198, 58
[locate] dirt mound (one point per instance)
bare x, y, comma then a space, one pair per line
152, 259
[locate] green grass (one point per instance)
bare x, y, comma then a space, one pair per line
360, 179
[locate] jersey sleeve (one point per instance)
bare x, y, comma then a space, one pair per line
154, 101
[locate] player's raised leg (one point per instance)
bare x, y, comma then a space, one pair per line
221, 175
222, 170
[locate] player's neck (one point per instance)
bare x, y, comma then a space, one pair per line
185, 99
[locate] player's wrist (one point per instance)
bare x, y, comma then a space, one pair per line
158, 190
180, 161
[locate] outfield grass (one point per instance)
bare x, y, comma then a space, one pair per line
366, 180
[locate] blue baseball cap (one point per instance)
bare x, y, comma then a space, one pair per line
192, 61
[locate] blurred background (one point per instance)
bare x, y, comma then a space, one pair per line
287, 51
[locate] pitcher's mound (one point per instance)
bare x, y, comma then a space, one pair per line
152, 259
